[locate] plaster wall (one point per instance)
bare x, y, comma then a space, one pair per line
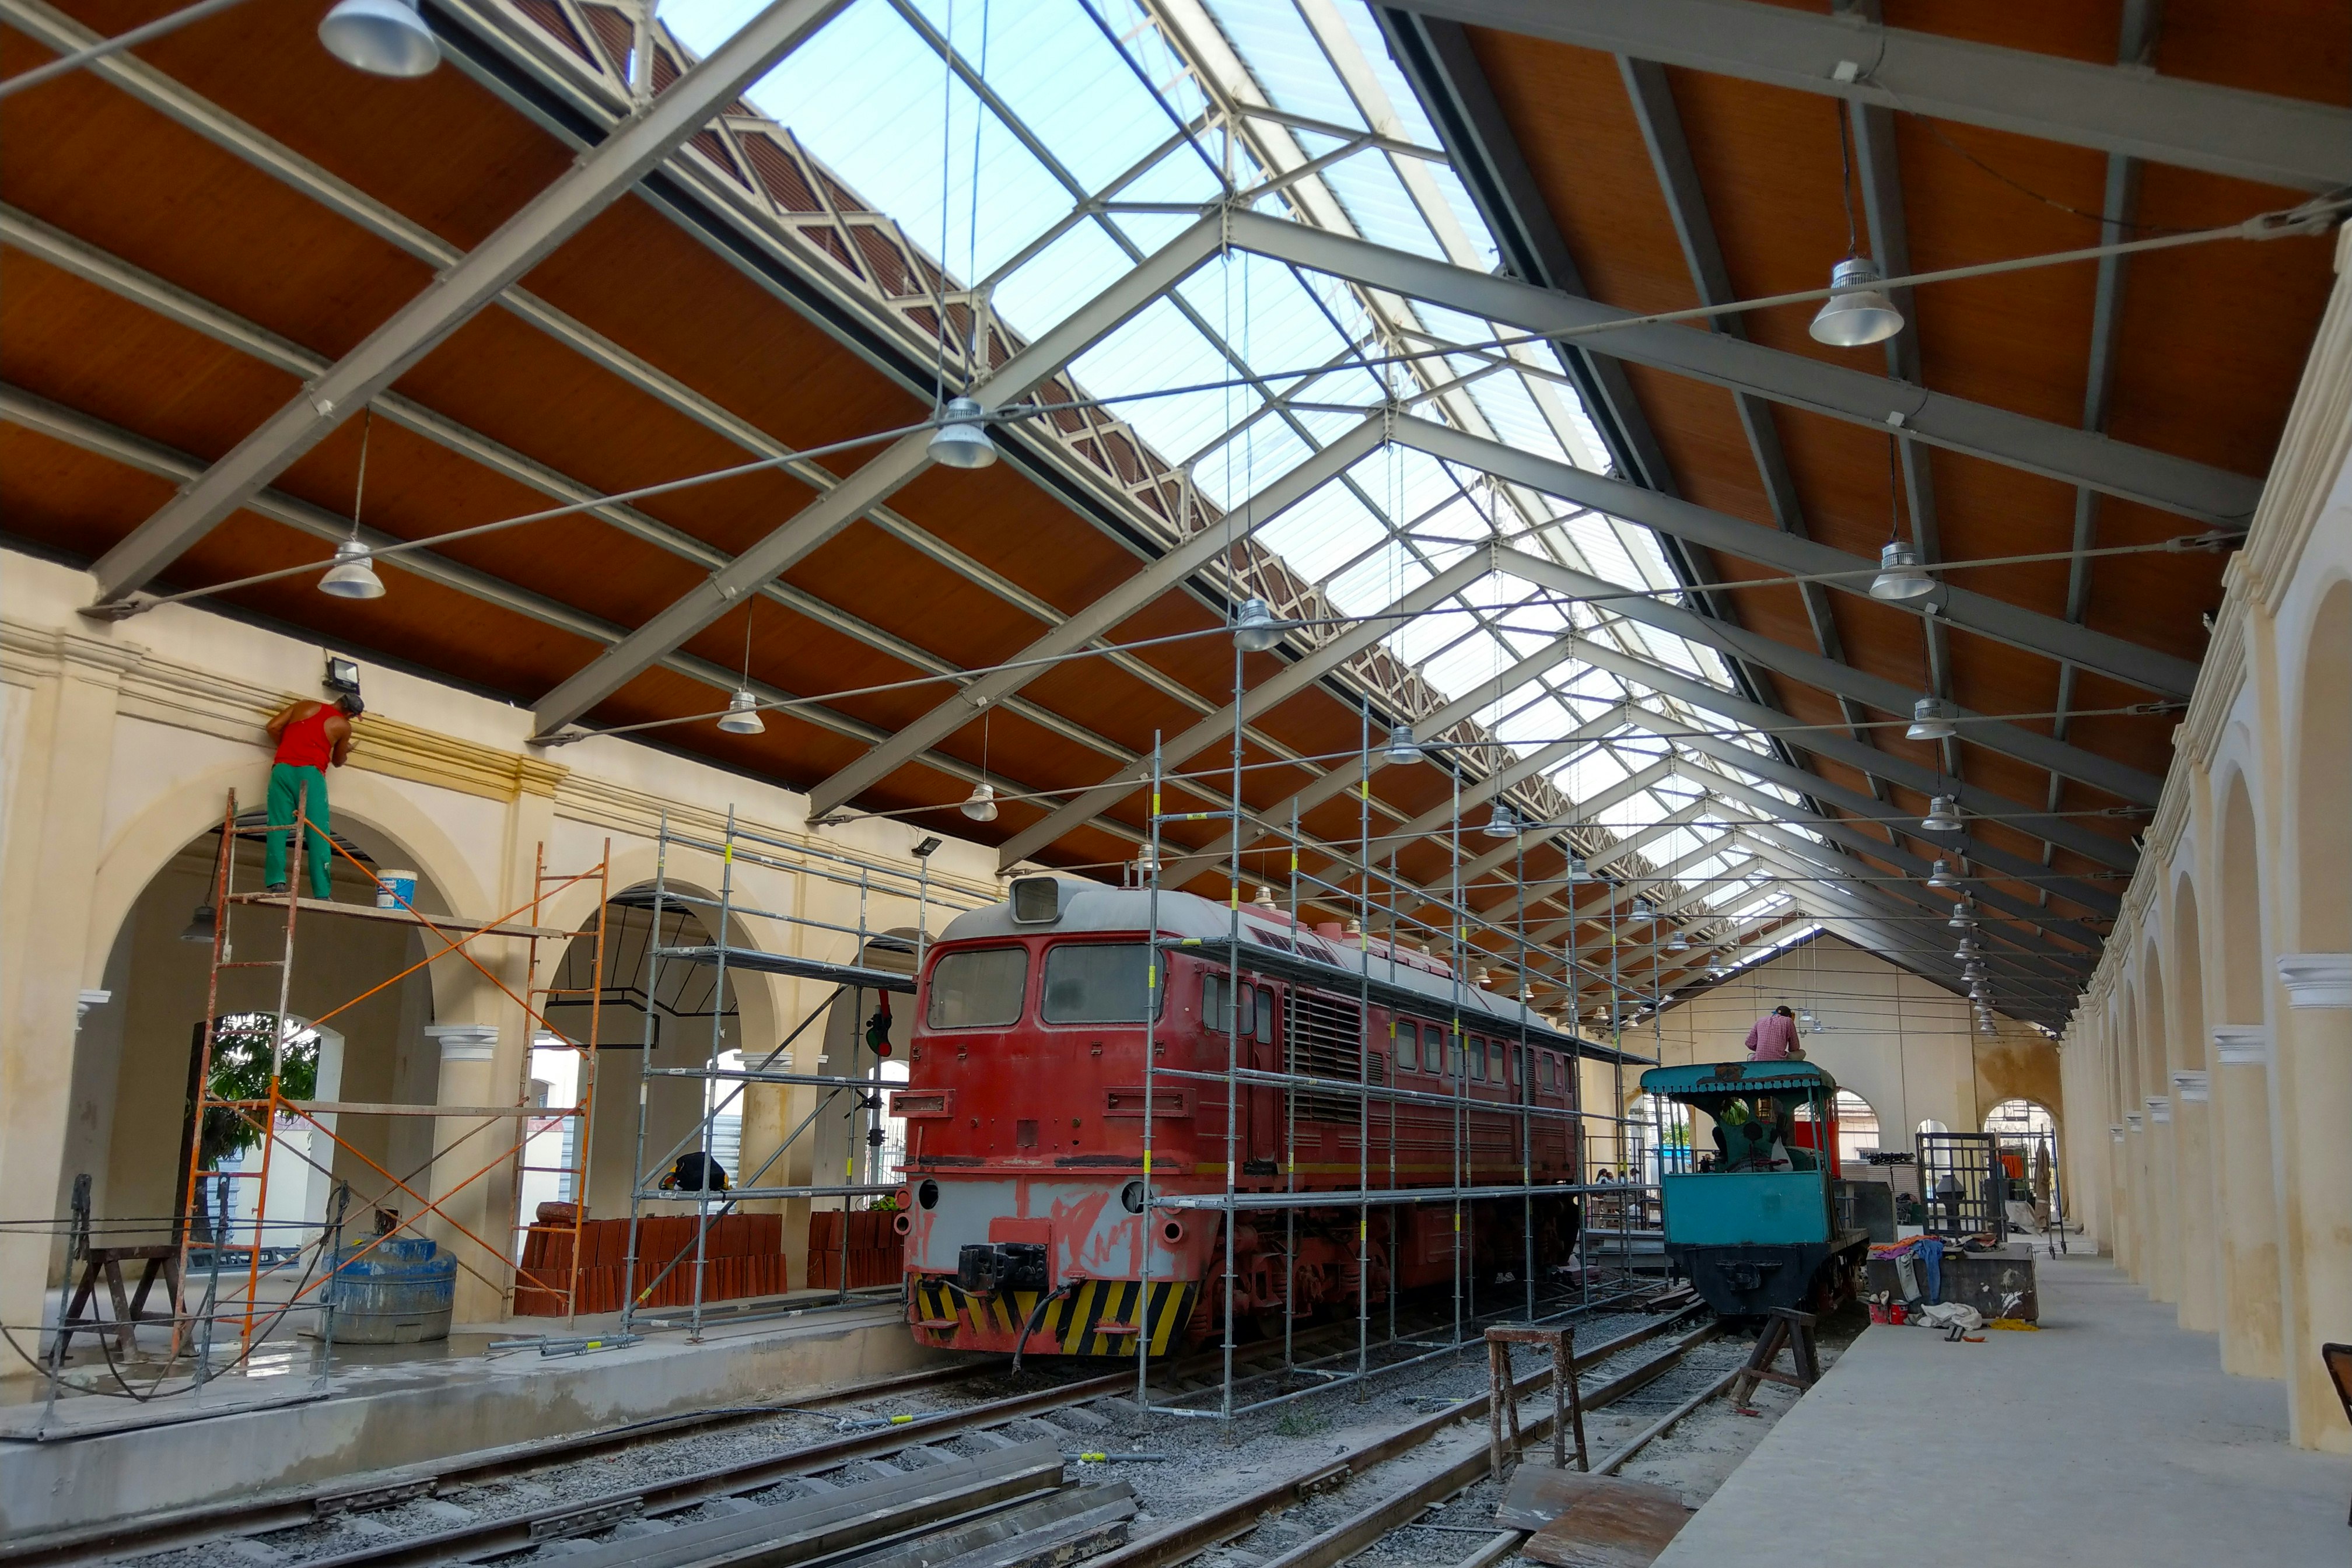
122, 742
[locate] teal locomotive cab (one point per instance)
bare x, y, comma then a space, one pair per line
1755, 1224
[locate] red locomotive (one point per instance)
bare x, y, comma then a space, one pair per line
1026, 1113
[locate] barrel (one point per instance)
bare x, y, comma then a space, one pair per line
396, 1291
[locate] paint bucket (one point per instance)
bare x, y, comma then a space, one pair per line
395, 889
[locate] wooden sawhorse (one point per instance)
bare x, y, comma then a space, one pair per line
1788, 1328
163, 1260
1503, 1403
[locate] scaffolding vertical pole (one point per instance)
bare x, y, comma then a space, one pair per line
718, 1045
1364, 1037
1527, 1072
1460, 1119
294, 874
1143, 1220
1233, 1039
224, 876
629, 1287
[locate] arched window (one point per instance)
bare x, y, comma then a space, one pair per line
1931, 1125
1658, 1136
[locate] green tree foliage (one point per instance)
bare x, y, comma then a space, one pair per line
240, 1070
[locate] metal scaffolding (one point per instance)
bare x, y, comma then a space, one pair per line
855, 1098
1376, 899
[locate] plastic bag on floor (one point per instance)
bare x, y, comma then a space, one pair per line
1951, 1315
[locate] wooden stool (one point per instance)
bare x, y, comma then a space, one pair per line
1789, 1327
163, 1260
1503, 1403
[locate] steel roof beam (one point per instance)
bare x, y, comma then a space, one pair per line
1100, 618
1843, 680
882, 477
1979, 612
1289, 681
596, 180
2225, 130
1981, 430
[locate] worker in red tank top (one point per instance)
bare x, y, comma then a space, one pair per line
311, 737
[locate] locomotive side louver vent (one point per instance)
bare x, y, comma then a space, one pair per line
1037, 901
1326, 1040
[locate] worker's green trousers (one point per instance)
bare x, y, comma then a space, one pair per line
289, 784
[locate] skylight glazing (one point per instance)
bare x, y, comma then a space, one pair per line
1043, 146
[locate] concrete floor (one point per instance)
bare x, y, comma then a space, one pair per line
2111, 1437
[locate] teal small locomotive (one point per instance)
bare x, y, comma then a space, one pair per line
1755, 1224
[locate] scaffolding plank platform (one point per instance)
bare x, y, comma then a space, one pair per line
452, 924
402, 1108
856, 974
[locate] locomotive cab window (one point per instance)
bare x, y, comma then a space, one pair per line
1216, 1016
1494, 1060
1475, 1049
1099, 982
1432, 1050
979, 988
1408, 1052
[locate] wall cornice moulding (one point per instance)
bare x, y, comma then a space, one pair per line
2312, 448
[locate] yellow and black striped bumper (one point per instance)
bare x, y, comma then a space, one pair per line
1074, 1324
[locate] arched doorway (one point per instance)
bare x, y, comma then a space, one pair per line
1857, 1126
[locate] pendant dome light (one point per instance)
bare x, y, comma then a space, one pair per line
1255, 629
1678, 943
1502, 824
1147, 864
1937, 877
1265, 898
352, 576
1577, 865
981, 803
1402, 746
1899, 576
1860, 313
381, 38
201, 925
1941, 818
1931, 720
743, 715
1963, 917
962, 441
1643, 910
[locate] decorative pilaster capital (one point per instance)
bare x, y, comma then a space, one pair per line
465, 1042
2317, 979
102, 657
2135, 1123
2241, 1045
2159, 1110
2191, 1087
2116, 1133
86, 1000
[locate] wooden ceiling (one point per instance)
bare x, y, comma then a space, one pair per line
259, 274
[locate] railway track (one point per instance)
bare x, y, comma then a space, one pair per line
913, 1445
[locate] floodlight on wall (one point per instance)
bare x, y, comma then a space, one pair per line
1899, 576
962, 441
201, 925
743, 715
1402, 746
1937, 877
1255, 629
1941, 817
381, 38
981, 803
1931, 720
1502, 825
1859, 315
352, 576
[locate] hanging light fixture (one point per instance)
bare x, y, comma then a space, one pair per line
1941, 818
1987, 1027
352, 576
1402, 746
201, 925
1577, 865
981, 803
1931, 720
1255, 627
381, 38
1482, 978
1502, 824
743, 715
962, 441
1861, 314
1265, 898
1716, 971
1805, 1017
1962, 918
1937, 877
1899, 576
1147, 864
1678, 943
1643, 910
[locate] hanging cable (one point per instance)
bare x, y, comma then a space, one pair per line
1845, 174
